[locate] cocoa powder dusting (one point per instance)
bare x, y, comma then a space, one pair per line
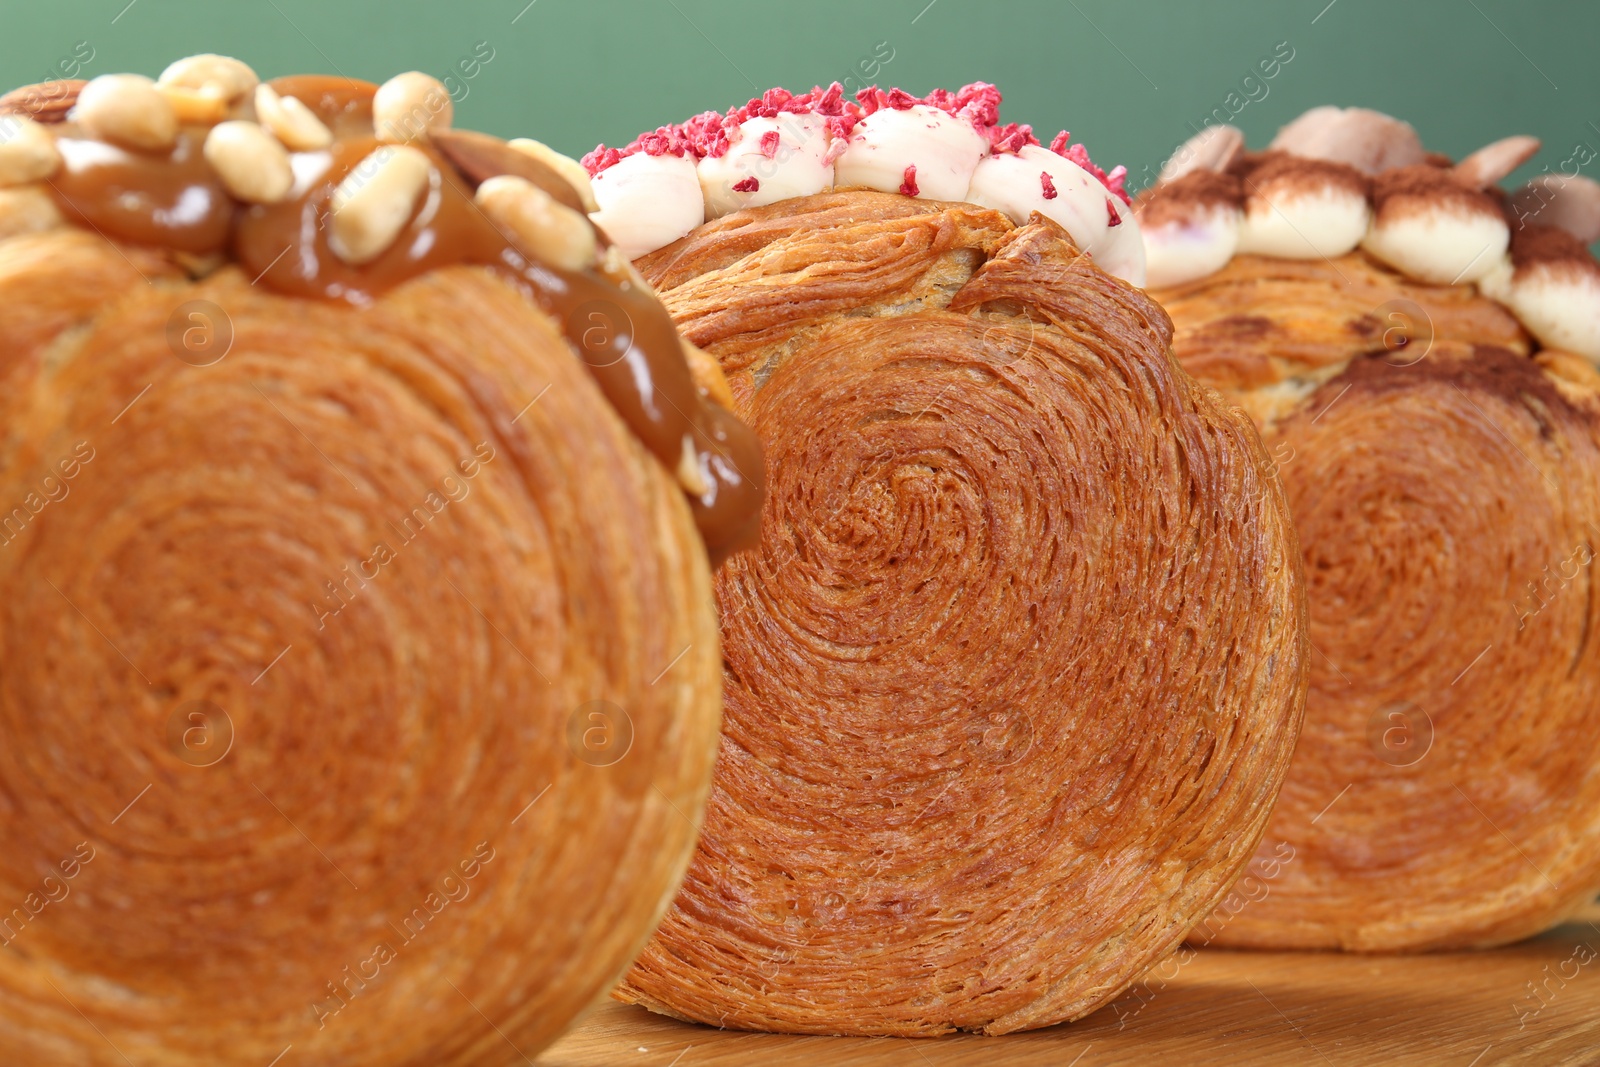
1285, 173
1533, 245
1182, 198
1423, 187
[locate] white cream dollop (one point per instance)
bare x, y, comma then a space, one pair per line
1121, 252
1288, 221
1183, 250
1560, 305
1013, 184
647, 202
1442, 244
944, 148
798, 166
1496, 281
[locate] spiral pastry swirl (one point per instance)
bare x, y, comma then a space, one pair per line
1012, 679
355, 703
1445, 485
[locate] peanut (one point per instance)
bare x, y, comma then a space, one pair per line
27, 209
222, 75
27, 151
204, 106
375, 201
128, 110
408, 106
690, 476
291, 121
566, 166
537, 224
254, 167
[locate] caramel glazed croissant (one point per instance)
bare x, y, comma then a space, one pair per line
361, 674
1419, 349
1013, 677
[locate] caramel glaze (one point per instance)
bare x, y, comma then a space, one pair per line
616, 325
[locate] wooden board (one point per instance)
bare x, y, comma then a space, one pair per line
1537, 1002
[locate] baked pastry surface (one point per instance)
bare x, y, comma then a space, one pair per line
1013, 677
1446, 491
1419, 349
361, 677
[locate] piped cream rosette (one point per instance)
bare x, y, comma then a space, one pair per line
1338, 179
947, 146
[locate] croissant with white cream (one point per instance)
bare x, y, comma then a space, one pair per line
1427, 383
1011, 679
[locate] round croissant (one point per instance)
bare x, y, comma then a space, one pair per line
1446, 489
360, 688
1016, 670
1414, 351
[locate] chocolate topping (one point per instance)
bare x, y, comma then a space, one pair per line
175, 200
1424, 187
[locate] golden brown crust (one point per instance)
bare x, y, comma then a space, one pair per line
1014, 674
395, 714
51, 282
1447, 499
1265, 331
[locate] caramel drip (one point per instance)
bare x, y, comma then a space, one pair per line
616, 325
343, 104
173, 201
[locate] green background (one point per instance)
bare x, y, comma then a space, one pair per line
1127, 79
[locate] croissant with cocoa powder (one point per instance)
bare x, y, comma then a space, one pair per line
1013, 676
361, 677
1425, 380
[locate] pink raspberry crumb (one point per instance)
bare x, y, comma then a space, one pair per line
908, 187
1012, 137
1112, 218
1114, 182
709, 135
747, 185
598, 160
